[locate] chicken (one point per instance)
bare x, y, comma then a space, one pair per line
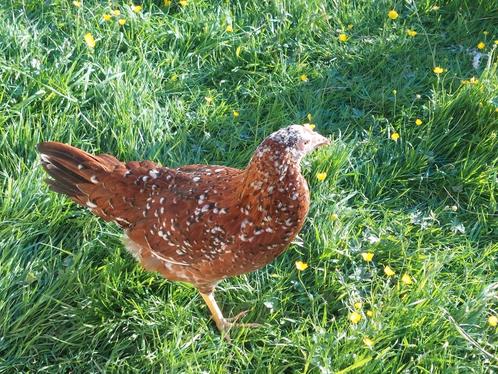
197, 223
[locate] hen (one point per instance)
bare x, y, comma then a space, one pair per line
197, 223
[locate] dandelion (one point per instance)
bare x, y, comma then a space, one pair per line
368, 342
438, 70
411, 33
370, 313
367, 256
395, 136
496, 42
321, 176
493, 321
136, 8
303, 77
106, 17
122, 21
77, 4
393, 14
334, 217
183, 2
89, 40
354, 317
238, 50
116, 12
485, 33
301, 266
418, 122
310, 126
174, 77
229, 28
406, 279
388, 271
343, 38
358, 305
167, 2
481, 45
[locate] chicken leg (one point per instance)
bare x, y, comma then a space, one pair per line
224, 324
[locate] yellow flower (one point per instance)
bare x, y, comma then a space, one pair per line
355, 317
438, 70
334, 217
343, 37
321, 176
115, 12
310, 126
411, 33
367, 256
301, 266
395, 136
303, 77
481, 45
406, 279
122, 21
393, 14
89, 40
235, 114
493, 321
485, 32
183, 2
370, 313
77, 4
358, 305
174, 77
106, 17
136, 8
238, 50
389, 272
229, 28
496, 41
167, 2
309, 117
350, 26
473, 80
368, 342
209, 100
418, 122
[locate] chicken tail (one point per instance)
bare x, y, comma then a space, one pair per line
78, 174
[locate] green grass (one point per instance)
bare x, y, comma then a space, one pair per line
73, 300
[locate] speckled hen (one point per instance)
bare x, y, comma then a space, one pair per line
197, 223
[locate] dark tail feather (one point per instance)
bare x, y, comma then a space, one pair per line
69, 167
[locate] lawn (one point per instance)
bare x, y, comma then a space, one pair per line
410, 100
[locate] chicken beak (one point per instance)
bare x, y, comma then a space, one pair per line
321, 141
317, 139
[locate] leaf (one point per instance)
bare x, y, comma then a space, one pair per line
358, 364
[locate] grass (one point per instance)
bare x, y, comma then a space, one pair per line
73, 300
